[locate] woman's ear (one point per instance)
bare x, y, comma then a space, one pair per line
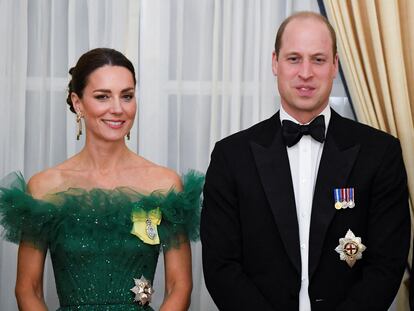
77, 103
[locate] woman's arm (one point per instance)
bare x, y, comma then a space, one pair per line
178, 279
31, 261
29, 283
177, 260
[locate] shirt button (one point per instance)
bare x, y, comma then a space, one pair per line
303, 215
303, 279
303, 246
303, 180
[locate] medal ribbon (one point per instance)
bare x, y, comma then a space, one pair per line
337, 195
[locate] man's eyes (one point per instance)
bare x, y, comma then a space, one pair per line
320, 60
293, 59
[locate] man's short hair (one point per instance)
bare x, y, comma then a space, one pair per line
304, 15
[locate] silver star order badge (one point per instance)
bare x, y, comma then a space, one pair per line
143, 291
350, 248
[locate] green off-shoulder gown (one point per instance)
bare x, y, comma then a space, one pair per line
88, 233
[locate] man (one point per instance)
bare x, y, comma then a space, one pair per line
311, 217
411, 294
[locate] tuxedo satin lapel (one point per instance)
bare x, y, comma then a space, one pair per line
334, 168
273, 166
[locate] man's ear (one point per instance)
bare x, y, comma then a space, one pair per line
274, 63
336, 64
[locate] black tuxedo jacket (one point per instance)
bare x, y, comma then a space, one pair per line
249, 228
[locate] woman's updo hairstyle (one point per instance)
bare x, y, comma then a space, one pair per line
89, 62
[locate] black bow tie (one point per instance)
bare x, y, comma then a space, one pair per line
293, 132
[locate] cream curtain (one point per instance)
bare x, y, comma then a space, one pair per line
375, 43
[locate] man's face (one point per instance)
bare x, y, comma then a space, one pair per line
305, 68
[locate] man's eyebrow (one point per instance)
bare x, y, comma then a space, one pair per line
292, 53
320, 54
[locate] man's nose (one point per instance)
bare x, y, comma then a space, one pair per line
306, 71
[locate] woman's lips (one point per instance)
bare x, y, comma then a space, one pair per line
114, 124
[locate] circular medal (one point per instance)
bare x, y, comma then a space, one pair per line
351, 204
344, 204
338, 205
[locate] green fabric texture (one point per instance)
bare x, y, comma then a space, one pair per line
95, 257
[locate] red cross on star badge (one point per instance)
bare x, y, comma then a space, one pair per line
350, 248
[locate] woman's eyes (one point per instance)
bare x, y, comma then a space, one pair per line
128, 97
101, 97
124, 97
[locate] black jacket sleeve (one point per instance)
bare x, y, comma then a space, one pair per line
229, 286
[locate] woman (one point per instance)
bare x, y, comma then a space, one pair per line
104, 213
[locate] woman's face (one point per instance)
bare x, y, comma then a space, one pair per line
108, 104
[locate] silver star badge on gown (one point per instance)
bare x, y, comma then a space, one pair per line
350, 248
142, 290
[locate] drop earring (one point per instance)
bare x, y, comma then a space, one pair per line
128, 135
78, 125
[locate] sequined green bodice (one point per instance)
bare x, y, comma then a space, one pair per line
95, 257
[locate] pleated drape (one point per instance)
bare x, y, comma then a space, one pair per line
376, 44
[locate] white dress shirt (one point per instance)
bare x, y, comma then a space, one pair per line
304, 158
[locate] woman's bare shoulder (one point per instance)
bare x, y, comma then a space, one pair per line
50, 180
167, 178
158, 177
44, 182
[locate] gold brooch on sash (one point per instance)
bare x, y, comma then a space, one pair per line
145, 225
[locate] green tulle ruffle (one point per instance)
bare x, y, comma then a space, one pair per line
39, 221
